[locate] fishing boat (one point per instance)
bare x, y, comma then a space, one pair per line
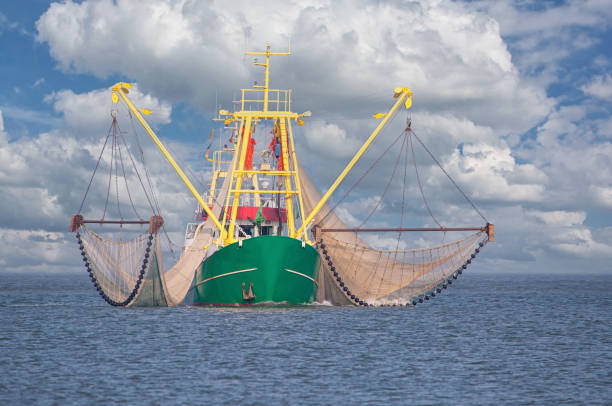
263, 234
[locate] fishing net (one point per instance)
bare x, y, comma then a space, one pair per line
353, 272
125, 273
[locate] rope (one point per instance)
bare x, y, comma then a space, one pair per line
450, 178
94, 172
399, 155
362, 177
419, 182
126, 182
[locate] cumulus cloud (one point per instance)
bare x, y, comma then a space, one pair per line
474, 104
44, 178
3, 134
363, 51
492, 173
89, 111
600, 87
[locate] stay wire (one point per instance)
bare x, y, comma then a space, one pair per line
110, 177
115, 156
450, 178
95, 169
365, 173
399, 155
362, 177
416, 170
144, 189
127, 188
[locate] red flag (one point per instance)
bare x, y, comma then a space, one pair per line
211, 134
207, 151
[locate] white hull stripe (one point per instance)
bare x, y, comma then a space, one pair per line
301, 274
225, 274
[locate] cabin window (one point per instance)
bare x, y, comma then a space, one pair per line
248, 230
266, 230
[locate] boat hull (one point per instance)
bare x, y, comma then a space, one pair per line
277, 269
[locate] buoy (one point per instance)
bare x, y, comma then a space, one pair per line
341, 284
322, 245
335, 273
345, 288
333, 268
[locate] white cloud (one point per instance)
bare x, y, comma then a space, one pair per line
601, 195
362, 52
3, 134
492, 173
330, 140
454, 56
559, 217
600, 86
89, 111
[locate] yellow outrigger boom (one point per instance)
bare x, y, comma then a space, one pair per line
121, 90
403, 95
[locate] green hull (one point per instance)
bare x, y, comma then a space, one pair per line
278, 269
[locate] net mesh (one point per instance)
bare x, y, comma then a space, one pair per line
354, 272
124, 272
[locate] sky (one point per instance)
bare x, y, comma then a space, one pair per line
513, 97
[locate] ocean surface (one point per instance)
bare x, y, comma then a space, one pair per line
489, 339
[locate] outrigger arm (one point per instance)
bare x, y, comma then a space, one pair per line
402, 95
120, 90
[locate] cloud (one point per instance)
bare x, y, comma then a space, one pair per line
600, 87
601, 195
89, 111
534, 164
492, 173
364, 50
3, 134
44, 178
29, 115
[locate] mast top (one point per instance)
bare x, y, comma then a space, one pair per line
274, 103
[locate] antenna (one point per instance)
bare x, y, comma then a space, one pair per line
266, 65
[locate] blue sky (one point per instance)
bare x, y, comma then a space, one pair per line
513, 96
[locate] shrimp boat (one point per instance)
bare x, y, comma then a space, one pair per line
263, 234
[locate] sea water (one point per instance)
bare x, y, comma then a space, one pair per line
489, 339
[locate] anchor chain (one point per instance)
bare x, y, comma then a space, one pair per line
97, 285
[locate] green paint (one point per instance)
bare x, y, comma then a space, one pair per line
266, 258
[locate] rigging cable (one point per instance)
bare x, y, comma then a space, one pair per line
94, 172
419, 181
450, 178
125, 176
399, 155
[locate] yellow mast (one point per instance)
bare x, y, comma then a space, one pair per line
262, 103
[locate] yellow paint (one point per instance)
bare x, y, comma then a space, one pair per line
121, 90
400, 93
